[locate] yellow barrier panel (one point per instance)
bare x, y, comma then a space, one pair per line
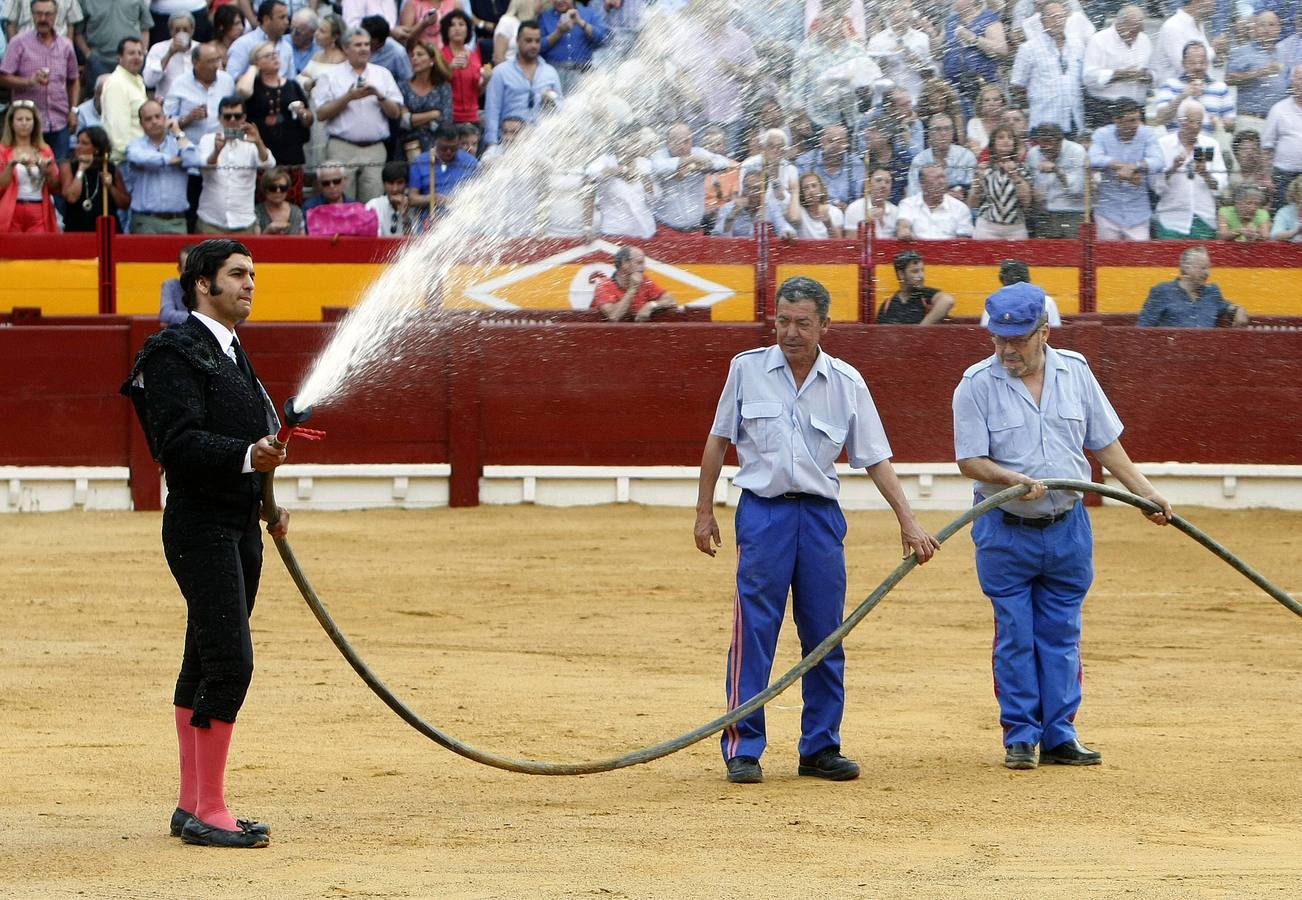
60, 287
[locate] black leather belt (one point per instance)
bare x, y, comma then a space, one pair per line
797, 495
1042, 522
158, 215
335, 137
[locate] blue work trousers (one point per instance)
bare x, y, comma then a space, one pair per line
787, 544
1036, 579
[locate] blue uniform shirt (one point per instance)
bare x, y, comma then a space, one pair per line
1168, 306
789, 439
995, 416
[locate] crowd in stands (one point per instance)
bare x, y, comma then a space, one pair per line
929, 119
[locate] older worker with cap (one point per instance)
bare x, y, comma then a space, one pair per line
1026, 413
791, 409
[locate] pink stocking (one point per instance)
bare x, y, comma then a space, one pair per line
211, 746
189, 796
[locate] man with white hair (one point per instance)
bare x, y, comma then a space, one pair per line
1048, 71
780, 174
169, 59
1283, 137
679, 170
1192, 174
302, 37
1116, 65
934, 214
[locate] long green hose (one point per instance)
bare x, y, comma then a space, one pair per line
646, 754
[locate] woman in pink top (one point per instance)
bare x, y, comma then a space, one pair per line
469, 75
422, 17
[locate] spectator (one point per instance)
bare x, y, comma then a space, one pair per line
169, 59
1001, 192
1116, 66
329, 37
452, 166
273, 25
933, 213
395, 215
914, 303
1077, 25
428, 94
89, 113
124, 93
1189, 301
88, 179
353, 11
629, 294
939, 98
1125, 153
955, 160
1193, 83
27, 172
276, 214
193, 98
41, 65
1255, 71
1183, 27
1192, 174
903, 49
469, 75
680, 170
227, 27
829, 73
1252, 165
989, 115
1057, 168
1283, 135
819, 219
100, 34
303, 26
171, 306
1015, 271
522, 87
719, 71
625, 191
737, 217
418, 20
720, 186
1289, 50
881, 154
842, 175
897, 119
779, 173
624, 20
1015, 119
1287, 225
881, 211
162, 12
17, 17
356, 99
1048, 71
974, 46
570, 35
468, 135
159, 183
1246, 219
508, 26
277, 106
385, 51
510, 131
230, 158
330, 182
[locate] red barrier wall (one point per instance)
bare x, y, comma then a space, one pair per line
494, 392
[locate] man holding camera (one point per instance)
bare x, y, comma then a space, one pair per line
1192, 174
230, 158
356, 100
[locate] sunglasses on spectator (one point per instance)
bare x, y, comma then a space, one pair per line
277, 188
24, 104
232, 117
329, 182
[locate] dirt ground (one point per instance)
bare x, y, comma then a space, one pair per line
576, 634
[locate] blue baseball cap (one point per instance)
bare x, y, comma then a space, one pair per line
1015, 309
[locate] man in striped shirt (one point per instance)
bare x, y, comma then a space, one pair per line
1195, 84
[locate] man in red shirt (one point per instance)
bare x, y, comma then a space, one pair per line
629, 293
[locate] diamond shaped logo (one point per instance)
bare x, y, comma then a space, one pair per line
543, 280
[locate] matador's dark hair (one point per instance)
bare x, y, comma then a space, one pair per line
205, 261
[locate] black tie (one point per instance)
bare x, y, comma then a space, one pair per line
242, 362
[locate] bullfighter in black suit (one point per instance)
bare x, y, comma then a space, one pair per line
209, 422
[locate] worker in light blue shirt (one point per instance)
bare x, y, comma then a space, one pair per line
521, 88
1027, 413
792, 410
1124, 153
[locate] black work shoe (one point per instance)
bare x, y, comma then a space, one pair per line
1020, 755
180, 816
745, 770
830, 764
1072, 753
198, 832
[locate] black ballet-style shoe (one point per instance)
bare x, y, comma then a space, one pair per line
195, 831
180, 817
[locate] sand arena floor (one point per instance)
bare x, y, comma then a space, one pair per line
583, 633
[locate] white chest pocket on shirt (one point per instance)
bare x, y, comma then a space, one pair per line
830, 444
758, 422
1009, 437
